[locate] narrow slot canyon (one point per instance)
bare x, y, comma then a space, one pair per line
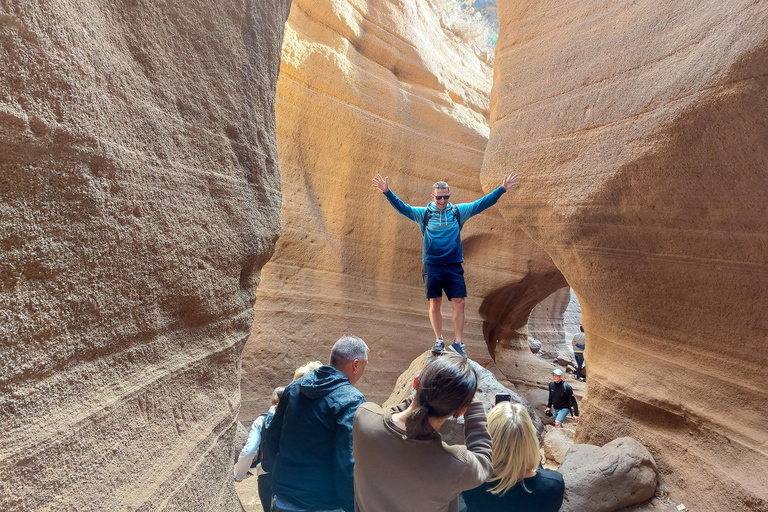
188, 217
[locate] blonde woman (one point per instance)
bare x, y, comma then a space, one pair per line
518, 483
303, 370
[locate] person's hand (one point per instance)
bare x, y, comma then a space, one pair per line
510, 181
576, 419
381, 183
546, 410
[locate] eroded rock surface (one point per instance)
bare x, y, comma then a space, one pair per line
372, 87
640, 132
552, 325
140, 196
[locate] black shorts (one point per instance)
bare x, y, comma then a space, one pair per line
444, 277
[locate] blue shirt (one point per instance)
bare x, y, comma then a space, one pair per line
442, 236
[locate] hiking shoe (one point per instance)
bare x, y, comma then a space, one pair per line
439, 347
458, 348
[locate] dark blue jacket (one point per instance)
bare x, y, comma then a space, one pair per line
442, 236
308, 445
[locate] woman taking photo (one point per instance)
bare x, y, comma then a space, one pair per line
401, 462
518, 483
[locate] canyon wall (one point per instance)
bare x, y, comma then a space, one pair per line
372, 87
140, 196
640, 132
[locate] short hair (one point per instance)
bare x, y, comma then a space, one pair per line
581, 328
277, 395
445, 387
303, 370
441, 185
348, 348
515, 445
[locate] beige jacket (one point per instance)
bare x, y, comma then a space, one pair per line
397, 474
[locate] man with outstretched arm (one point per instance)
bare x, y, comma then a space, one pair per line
440, 223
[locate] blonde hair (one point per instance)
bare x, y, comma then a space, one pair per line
515, 446
303, 370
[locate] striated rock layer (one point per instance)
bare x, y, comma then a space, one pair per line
368, 87
640, 131
140, 196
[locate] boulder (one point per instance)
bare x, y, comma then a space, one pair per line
620, 474
556, 442
139, 198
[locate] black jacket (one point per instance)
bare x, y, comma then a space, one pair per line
308, 446
561, 396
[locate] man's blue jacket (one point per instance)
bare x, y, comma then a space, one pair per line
442, 236
308, 445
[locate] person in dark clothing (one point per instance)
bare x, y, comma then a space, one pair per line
518, 484
561, 399
308, 445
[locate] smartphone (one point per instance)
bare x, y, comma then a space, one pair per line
503, 397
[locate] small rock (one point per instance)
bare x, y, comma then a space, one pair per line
681, 507
534, 344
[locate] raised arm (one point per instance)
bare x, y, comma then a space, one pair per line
478, 440
510, 181
380, 183
467, 210
416, 214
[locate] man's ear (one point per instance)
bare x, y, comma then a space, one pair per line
460, 413
355, 364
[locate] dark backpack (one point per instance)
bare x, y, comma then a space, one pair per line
428, 214
264, 426
568, 393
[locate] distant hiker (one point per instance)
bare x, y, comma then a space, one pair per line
561, 399
440, 223
579, 342
402, 463
251, 454
308, 446
519, 483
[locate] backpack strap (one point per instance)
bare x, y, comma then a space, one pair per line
428, 214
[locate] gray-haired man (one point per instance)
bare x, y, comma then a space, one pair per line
308, 446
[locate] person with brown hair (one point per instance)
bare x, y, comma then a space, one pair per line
402, 463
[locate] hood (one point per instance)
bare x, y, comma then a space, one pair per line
442, 215
322, 381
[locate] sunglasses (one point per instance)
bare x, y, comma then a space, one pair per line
442, 197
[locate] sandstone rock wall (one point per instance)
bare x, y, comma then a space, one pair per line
640, 132
552, 325
140, 196
368, 87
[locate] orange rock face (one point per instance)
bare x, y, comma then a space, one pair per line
366, 88
139, 197
640, 133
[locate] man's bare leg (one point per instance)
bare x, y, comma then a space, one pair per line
458, 317
435, 316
